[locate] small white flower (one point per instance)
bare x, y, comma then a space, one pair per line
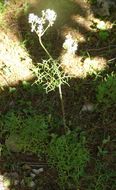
32, 18
33, 27
70, 44
102, 25
49, 15
40, 29
38, 23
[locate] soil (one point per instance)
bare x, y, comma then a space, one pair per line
78, 18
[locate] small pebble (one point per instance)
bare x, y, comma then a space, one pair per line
88, 107
37, 171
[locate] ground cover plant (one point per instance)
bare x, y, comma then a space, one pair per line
53, 135
68, 154
21, 129
105, 92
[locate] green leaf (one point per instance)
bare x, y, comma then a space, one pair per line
103, 35
12, 89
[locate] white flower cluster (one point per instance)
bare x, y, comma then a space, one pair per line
70, 44
49, 15
37, 23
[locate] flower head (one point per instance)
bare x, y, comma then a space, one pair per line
40, 30
38, 23
33, 18
49, 15
70, 44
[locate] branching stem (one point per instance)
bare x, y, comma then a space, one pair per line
60, 89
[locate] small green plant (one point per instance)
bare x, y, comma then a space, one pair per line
103, 32
106, 91
102, 150
68, 154
103, 178
103, 35
30, 134
49, 73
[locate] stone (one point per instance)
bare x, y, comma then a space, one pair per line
87, 107
37, 171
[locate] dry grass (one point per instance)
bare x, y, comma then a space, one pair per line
15, 62
76, 67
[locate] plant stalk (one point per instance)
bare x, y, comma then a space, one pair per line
60, 89
41, 43
62, 106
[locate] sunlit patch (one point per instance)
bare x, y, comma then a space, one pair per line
76, 33
80, 20
91, 21
76, 67
4, 183
15, 63
95, 64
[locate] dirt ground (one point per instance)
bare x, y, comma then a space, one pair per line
20, 52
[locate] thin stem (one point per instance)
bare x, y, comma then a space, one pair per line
45, 30
62, 105
41, 43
